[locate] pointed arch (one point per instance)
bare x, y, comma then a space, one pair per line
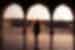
13, 11
63, 13
38, 12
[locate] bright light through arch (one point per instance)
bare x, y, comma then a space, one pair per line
38, 12
13, 11
62, 13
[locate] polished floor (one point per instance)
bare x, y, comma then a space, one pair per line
15, 40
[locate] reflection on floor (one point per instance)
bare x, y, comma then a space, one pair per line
63, 42
13, 40
60, 42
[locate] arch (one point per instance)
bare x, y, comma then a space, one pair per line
62, 13
38, 12
13, 11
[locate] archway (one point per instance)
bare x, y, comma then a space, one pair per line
40, 13
12, 29
63, 19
